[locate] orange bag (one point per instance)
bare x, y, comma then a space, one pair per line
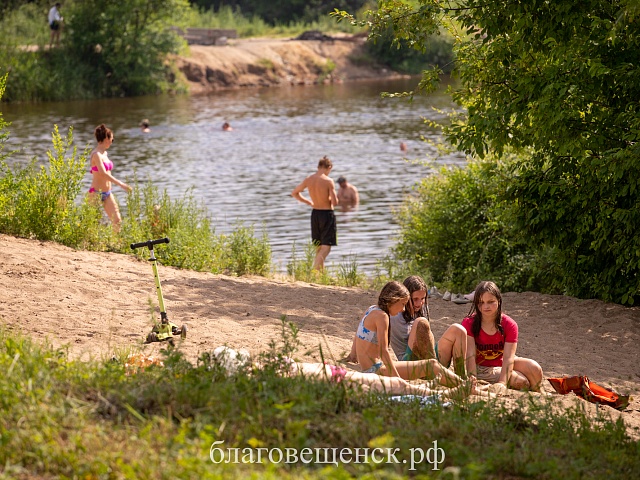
591, 391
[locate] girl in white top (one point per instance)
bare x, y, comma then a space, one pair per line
410, 335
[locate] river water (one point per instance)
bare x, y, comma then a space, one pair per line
278, 136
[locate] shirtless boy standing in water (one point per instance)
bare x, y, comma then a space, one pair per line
323, 220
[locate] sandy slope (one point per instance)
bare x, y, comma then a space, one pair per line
268, 62
95, 303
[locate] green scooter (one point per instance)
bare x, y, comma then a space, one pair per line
165, 331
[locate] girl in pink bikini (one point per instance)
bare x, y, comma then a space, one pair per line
102, 179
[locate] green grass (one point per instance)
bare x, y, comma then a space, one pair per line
227, 18
69, 419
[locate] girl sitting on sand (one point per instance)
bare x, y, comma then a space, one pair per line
411, 337
372, 342
492, 339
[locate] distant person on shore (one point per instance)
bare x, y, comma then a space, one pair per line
403, 147
347, 194
102, 179
55, 24
144, 125
226, 127
322, 191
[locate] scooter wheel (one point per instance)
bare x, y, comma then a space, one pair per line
152, 337
183, 331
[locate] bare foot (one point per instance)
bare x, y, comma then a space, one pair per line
498, 388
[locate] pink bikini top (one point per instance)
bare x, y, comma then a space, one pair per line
108, 165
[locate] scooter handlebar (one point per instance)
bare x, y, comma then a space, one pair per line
149, 243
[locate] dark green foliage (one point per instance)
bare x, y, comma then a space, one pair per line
459, 226
558, 83
400, 56
561, 80
283, 11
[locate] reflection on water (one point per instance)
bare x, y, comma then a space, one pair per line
278, 136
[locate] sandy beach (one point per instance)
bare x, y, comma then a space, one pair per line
95, 303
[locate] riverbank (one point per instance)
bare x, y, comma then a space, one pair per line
95, 304
269, 62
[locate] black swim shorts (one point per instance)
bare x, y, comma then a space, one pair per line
323, 227
55, 25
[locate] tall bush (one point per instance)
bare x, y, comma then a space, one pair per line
562, 80
401, 56
459, 226
558, 82
125, 43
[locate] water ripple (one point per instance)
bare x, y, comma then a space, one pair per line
247, 174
